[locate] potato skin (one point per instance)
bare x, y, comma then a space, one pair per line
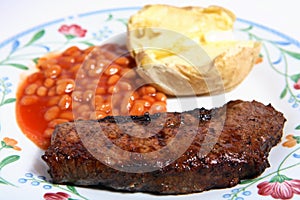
235, 68
225, 73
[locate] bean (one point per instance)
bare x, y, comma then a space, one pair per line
77, 54
55, 122
94, 72
48, 132
92, 85
75, 68
81, 74
42, 91
80, 58
142, 91
82, 108
66, 61
122, 61
108, 98
103, 63
89, 64
34, 77
100, 90
83, 81
103, 81
149, 90
31, 89
85, 115
67, 115
125, 106
77, 96
134, 96
113, 89
44, 64
49, 82
70, 51
160, 96
145, 103
113, 79
98, 100
88, 95
52, 91
29, 100
137, 109
41, 61
53, 101
53, 71
51, 113
65, 86
148, 98
157, 107
125, 86
99, 114
75, 105
112, 69
65, 102
105, 107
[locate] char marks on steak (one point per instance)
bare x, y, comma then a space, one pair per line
218, 154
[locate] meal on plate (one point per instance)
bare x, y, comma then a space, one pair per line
101, 113
225, 145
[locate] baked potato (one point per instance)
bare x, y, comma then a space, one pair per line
189, 50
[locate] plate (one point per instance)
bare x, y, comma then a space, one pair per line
276, 80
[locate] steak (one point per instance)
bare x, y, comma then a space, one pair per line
167, 153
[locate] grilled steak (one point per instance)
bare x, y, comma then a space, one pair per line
186, 152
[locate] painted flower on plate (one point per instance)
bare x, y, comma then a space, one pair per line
56, 196
297, 85
279, 187
11, 143
72, 31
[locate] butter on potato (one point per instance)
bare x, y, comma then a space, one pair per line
189, 50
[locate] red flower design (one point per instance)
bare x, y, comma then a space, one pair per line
297, 85
9, 142
56, 196
280, 187
73, 30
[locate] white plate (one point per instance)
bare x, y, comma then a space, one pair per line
24, 175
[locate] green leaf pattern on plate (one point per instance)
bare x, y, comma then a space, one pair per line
7, 143
36, 37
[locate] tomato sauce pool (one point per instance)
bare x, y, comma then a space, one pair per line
82, 84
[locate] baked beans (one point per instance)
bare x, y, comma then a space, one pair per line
83, 84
